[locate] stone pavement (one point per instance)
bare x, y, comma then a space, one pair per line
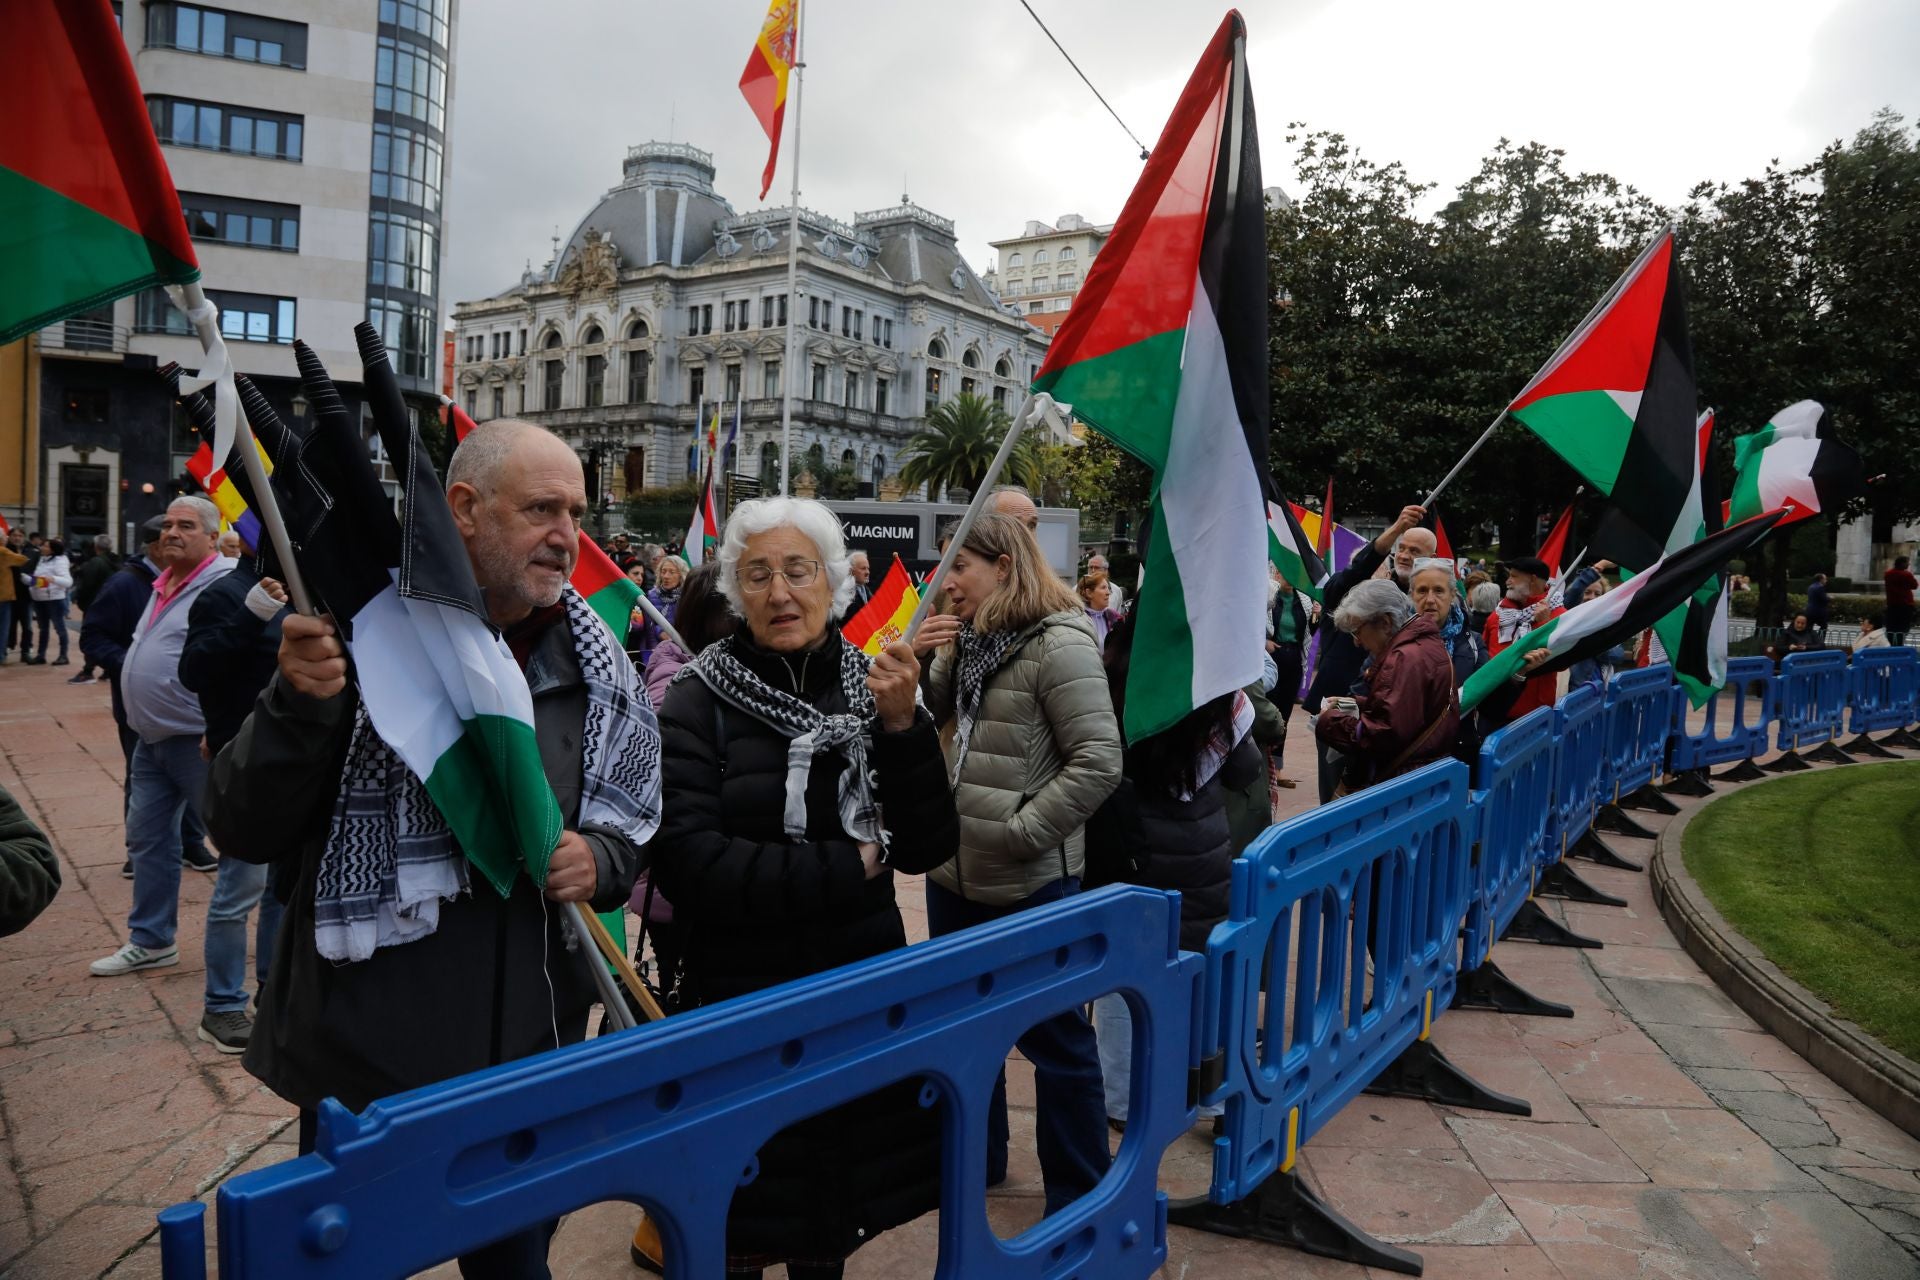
1670, 1136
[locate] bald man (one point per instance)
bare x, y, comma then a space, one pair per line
491, 979
1415, 544
1012, 500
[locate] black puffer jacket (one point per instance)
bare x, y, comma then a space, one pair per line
762, 908
1186, 845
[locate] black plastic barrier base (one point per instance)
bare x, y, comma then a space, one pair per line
1691, 782
1283, 1211
1591, 847
1901, 738
1789, 762
1422, 1071
1745, 771
1649, 800
1613, 820
1531, 924
1560, 881
1829, 752
1865, 746
1488, 987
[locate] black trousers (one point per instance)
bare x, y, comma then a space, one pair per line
521, 1256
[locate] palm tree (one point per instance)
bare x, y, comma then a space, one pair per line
956, 446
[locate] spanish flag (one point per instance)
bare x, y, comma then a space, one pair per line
885, 617
764, 82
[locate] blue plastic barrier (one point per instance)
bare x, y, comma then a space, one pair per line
1513, 811
1812, 698
1748, 701
1304, 903
671, 1115
1582, 780
1885, 693
1639, 714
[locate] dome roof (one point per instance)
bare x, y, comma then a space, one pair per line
663, 212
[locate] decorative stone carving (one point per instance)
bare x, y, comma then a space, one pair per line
725, 244
764, 239
858, 256
958, 279
593, 268
829, 245
917, 313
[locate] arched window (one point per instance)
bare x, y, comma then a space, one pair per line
592, 336
1013, 259
553, 341
638, 329
817, 461
1001, 369
933, 389
1066, 254
970, 358
936, 350
848, 461
638, 365
769, 467
1039, 256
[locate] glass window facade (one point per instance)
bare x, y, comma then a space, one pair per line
214, 126
409, 331
244, 317
422, 17
255, 224
410, 80
406, 166
402, 251
220, 33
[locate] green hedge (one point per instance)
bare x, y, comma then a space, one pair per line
1842, 608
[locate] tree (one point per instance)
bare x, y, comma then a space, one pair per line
957, 444
1099, 478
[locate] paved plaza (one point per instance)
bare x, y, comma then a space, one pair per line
1670, 1138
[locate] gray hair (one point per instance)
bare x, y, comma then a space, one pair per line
861, 556
807, 517
204, 512
1374, 598
478, 459
102, 542
1484, 598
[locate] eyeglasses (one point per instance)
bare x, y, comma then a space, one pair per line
757, 578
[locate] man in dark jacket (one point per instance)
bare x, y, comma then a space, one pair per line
493, 979
88, 578
1819, 607
231, 652
1340, 658
29, 873
105, 634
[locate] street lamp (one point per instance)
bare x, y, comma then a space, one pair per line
300, 407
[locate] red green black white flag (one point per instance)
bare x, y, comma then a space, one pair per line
1165, 353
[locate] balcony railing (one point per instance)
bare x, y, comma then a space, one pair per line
86, 337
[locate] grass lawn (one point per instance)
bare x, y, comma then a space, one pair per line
1822, 872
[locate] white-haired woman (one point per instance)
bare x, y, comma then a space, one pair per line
1407, 714
802, 774
1034, 752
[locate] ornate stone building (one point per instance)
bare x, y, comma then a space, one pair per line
664, 300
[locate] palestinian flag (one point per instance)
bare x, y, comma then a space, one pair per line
436, 679
764, 82
1617, 402
1694, 636
1597, 625
1794, 462
703, 531
88, 212
884, 618
1165, 353
596, 577
1554, 550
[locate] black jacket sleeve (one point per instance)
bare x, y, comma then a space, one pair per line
270, 791
923, 824
1358, 570
223, 635
107, 629
29, 873
617, 863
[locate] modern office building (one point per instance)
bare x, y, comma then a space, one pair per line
308, 141
664, 301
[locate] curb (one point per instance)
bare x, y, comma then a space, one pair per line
1886, 1081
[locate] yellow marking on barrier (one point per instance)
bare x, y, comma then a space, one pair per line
1426, 1016
1293, 1140
1616, 791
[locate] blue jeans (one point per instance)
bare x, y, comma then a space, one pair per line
240, 887
52, 615
1113, 1023
1070, 1112
6, 625
165, 787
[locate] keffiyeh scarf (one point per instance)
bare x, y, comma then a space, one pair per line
979, 656
390, 859
808, 730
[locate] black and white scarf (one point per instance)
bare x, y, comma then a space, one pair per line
390, 859
979, 656
808, 731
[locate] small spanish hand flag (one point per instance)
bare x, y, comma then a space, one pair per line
885, 617
764, 82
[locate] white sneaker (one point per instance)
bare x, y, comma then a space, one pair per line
129, 958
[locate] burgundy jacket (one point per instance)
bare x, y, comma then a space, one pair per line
1407, 690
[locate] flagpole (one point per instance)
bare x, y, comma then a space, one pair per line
793, 255
659, 620
1036, 405
617, 1011
1579, 331
201, 311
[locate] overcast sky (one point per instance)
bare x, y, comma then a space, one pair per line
968, 108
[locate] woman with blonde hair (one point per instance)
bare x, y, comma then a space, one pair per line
1033, 749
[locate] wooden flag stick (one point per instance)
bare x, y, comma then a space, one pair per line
590, 925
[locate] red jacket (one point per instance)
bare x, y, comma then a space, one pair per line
1408, 688
1900, 587
1542, 690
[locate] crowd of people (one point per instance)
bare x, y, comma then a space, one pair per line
745, 782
